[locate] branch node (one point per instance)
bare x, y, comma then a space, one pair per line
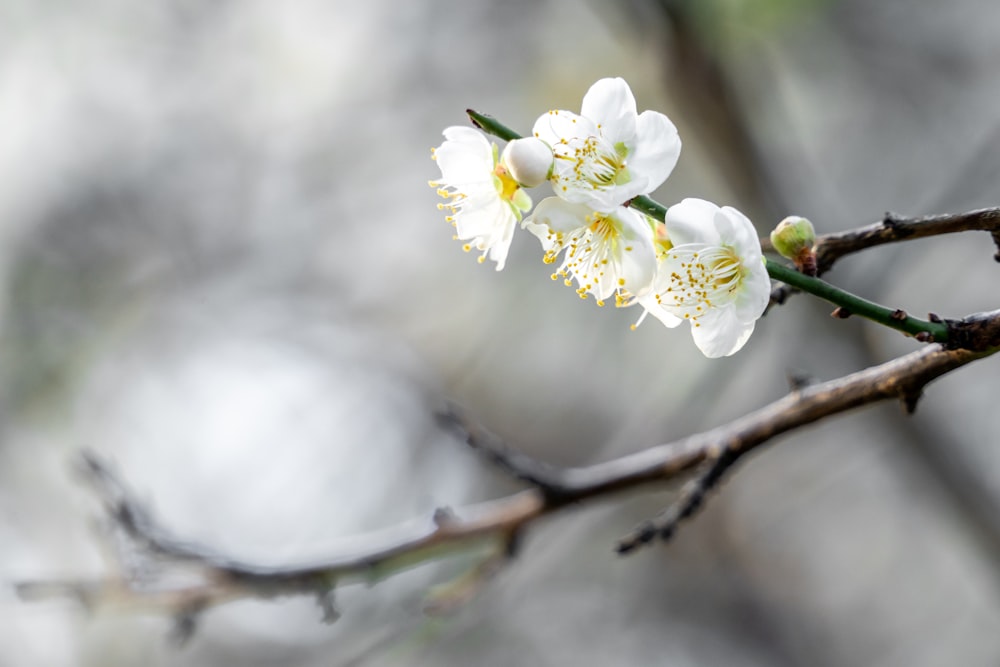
512, 545
891, 220
184, 626
935, 318
443, 516
328, 605
924, 336
779, 295
840, 313
910, 399
799, 380
899, 315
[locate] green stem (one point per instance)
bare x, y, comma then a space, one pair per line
653, 209
490, 125
855, 305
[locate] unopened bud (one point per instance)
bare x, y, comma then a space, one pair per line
794, 238
528, 160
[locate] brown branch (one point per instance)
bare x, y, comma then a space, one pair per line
892, 229
498, 523
690, 499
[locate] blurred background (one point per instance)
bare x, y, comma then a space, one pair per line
221, 267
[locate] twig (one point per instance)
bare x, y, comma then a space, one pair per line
895, 228
692, 496
516, 464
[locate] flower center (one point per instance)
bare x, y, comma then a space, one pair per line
504, 183
594, 256
597, 162
702, 279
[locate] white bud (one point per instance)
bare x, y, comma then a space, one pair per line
528, 160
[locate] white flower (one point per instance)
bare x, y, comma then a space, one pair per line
607, 254
485, 201
714, 276
608, 154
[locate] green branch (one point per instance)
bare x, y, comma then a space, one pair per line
855, 305
852, 304
490, 125
653, 209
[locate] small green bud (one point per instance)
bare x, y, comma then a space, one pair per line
793, 235
794, 238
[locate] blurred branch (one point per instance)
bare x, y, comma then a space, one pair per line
499, 523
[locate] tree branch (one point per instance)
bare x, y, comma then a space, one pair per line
500, 523
895, 228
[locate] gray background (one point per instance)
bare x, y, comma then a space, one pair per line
221, 267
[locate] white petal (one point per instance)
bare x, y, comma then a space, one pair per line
652, 307
489, 227
657, 148
466, 155
558, 215
555, 126
638, 255
720, 333
501, 246
606, 199
692, 221
610, 104
755, 293
742, 235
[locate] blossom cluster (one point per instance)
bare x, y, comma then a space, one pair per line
702, 263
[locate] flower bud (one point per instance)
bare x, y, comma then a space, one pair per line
794, 238
528, 160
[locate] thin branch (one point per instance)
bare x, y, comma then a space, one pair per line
499, 523
691, 498
893, 229
924, 331
516, 464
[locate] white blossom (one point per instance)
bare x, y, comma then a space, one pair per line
608, 154
485, 202
713, 276
606, 253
